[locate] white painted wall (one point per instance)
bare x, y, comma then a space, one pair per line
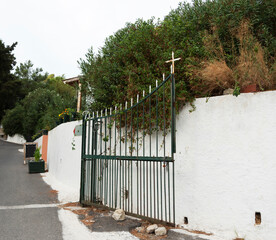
63, 162
225, 164
39, 142
19, 139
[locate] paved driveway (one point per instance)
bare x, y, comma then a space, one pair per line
27, 205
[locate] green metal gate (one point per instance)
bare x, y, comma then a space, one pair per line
128, 155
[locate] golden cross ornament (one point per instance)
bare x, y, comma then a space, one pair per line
172, 61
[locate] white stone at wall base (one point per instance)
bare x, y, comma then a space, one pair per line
151, 228
228, 91
161, 231
119, 215
140, 229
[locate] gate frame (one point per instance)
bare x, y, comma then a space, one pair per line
93, 157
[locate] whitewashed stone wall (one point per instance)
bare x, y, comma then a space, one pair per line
16, 139
39, 142
225, 164
62, 161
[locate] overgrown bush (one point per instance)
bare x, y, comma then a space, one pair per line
222, 44
12, 120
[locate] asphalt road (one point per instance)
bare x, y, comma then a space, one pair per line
27, 204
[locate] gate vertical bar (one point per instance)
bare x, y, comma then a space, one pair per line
157, 180
82, 159
94, 161
173, 140
173, 133
89, 167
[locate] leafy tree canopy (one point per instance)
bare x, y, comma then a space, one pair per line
30, 77
67, 92
39, 97
38, 110
12, 121
9, 85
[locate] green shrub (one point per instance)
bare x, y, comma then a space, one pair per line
202, 32
37, 154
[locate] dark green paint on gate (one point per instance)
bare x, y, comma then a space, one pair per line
128, 156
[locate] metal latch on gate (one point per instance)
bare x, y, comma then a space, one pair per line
78, 130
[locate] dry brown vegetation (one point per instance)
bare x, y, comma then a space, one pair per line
215, 76
251, 67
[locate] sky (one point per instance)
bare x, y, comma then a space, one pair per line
55, 34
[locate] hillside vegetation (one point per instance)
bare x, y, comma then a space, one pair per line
222, 44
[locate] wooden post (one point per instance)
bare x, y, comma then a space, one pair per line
79, 98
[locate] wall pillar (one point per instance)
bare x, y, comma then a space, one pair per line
44, 146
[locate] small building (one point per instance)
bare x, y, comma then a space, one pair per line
75, 82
